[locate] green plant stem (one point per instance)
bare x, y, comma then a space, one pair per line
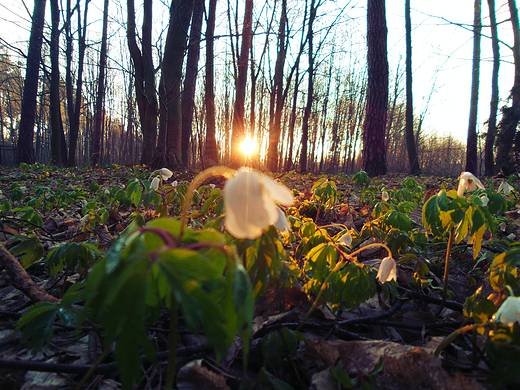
93, 368
170, 373
334, 270
197, 180
446, 270
467, 328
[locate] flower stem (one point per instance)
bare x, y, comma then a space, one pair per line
170, 373
446, 270
334, 270
197, 180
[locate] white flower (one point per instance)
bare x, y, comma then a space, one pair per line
485, 200
22, 189
345, 239
385, 196
249, 200
509, 312
505, 187
387, 270
165, 173
502, 226
212, 186
83, 221
174, 183
155, 183
282, 224
468, 182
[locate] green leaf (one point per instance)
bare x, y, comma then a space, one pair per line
341, 376
30, 249
38, 322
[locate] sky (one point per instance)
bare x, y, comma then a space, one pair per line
441, 59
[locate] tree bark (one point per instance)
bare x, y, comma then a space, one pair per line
190, 80
211, 153
238, 131
492, 122
374, 150
413, 159
95, 158
510, 115
471, 143
25, 149
171, 77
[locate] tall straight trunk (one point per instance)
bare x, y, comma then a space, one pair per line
471, 144
58, 145
74, 103
211, 153
413, 159
171, 77
310, 91
277, 94
190, 80
374, 126
238, 132
98, 119
145, 89
324, 115
492, 122
510, 115
25, 149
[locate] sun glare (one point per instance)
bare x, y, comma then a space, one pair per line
248, 146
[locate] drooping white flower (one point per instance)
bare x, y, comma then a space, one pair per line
249, 200
509, 312
385, 196
282, 224
485, 200
165, 173
468, 182
505, 188
387, 270
345, 239
155, 183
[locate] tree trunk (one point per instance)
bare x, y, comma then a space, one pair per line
58, 145
471, 144
510, 115
211, 153
413, 159
95, 157
171, 77
238, 131
190, 80
374, 150
145, 90
492, 122
310, 92
25, 149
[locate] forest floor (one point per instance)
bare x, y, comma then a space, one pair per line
384, 342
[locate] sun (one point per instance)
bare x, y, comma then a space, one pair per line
248, 146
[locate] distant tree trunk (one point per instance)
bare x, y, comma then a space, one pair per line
492, 122
211, 153
98, 119
145, 89
413, 159
310, 91
25, 149
58, 145
238, 131
374, 150
74, 104
277, 94
190, 80
471, 144
510, 115
171, 77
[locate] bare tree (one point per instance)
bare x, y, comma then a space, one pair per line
25, 150
492, 122
211, 144
471, 143
374, 151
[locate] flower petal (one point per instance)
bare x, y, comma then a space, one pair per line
282, 224
155, 183
276, 191
166, 173
345, 239
387, 270
509, 312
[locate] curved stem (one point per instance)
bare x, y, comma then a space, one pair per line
334, 270
213, 171
446, 270
453, 335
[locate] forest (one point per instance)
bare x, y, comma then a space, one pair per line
248, 195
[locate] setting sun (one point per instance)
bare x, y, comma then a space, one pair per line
248, 146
